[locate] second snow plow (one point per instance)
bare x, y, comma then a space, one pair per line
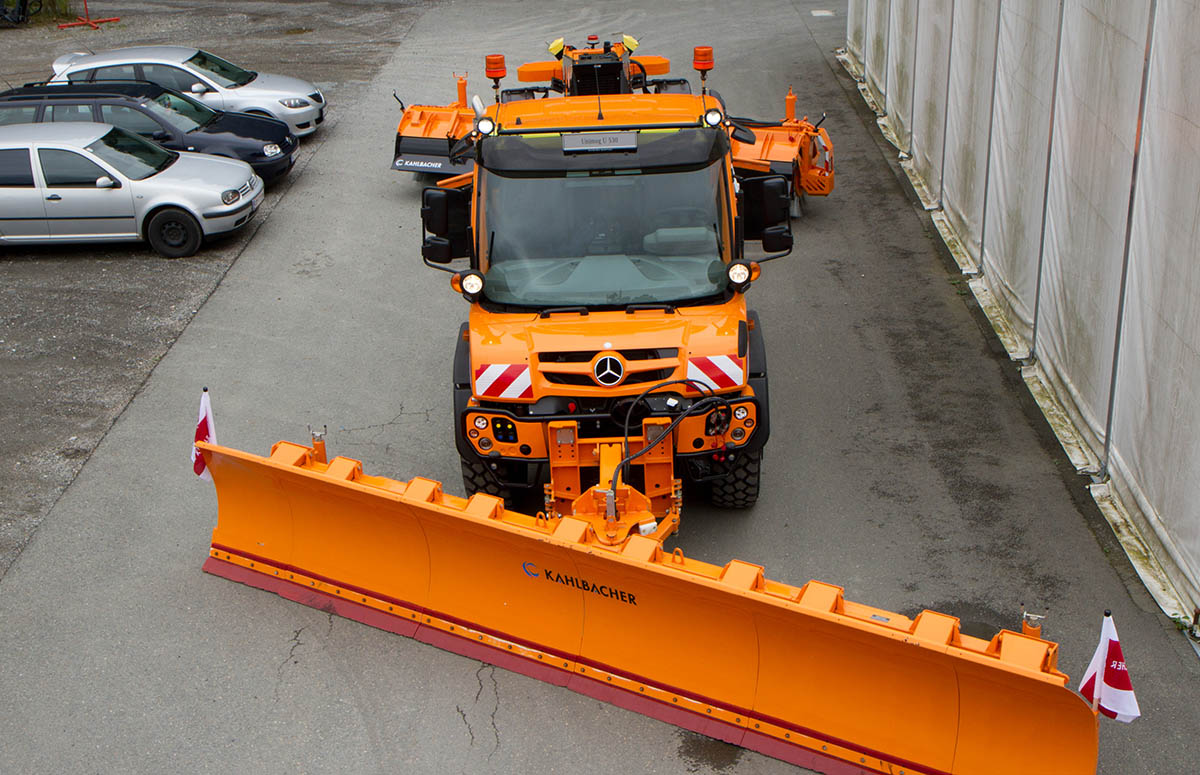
589, 599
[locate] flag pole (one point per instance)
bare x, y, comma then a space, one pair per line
1099, 675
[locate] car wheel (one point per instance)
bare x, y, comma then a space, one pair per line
174, 233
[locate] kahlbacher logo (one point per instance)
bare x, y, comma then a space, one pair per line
411, 163
583, 585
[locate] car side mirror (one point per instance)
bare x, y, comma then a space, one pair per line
198, 88
777, 239
104, 181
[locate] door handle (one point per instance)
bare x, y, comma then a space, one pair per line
53, 198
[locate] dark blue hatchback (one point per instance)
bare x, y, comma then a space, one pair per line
163, 115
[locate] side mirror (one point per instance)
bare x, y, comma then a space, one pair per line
446, 215
766, 204
777, 239
743, 134
104, 181
198, 88
436, 250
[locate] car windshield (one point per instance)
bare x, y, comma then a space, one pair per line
604, 237
136, 158
180, 112
226, 74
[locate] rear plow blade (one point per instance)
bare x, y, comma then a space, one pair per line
798, 673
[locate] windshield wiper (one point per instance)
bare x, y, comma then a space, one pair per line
632, 308
548, 311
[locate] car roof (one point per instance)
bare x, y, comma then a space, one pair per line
67, 132
86, 89
134, 54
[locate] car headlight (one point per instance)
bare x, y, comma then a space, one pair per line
230, 196
712, 117
485, 126
295, 102
271, 149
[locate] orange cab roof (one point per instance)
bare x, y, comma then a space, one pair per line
617, 109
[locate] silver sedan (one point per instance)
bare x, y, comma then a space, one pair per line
85, 182
221, 84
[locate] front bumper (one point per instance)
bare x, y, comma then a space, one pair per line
233, 217
274, 168
495, 434
302, 121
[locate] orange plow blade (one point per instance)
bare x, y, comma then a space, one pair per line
798, 673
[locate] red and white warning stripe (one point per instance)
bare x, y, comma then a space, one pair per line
503, 380
717, 371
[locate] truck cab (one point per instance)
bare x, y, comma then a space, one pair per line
606, 272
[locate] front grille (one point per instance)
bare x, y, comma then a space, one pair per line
317, 98
584, 356
247, 187
633, 375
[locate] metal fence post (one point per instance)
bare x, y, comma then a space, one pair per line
987, 165
887, 56
912, 79
1037, 295
946, 110
1137, 153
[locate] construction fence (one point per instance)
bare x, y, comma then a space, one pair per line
1057, 145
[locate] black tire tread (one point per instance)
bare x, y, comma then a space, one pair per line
738, 490
477, 478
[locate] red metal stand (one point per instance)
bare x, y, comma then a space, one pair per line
87, 21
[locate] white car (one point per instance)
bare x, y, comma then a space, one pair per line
85, 182
221, 84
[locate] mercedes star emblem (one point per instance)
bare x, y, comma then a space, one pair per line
608, 371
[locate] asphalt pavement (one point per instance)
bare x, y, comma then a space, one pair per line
906, 462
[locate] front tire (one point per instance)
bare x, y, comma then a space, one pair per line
739, 490
477, 478
174, 233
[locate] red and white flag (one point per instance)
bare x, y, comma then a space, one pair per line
1106, 683
205, 431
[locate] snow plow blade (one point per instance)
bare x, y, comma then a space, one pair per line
798, 673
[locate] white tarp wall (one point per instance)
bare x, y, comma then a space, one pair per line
1022, 121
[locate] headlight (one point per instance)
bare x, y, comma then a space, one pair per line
741, 412
712, 117
230, 196
271, 149
295, 102
739, 273
485, 126
481, 423
472, 283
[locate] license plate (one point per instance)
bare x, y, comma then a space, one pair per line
254, 203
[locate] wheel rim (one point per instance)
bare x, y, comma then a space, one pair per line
174, 233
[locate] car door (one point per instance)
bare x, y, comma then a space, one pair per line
141, 123
182, 81
22, 209
75, 207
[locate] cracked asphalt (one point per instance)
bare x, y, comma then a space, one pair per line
906, 462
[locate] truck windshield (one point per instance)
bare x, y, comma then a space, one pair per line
610, 237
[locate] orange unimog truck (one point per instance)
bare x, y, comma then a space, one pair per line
606, 235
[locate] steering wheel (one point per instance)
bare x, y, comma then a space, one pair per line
683, 216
